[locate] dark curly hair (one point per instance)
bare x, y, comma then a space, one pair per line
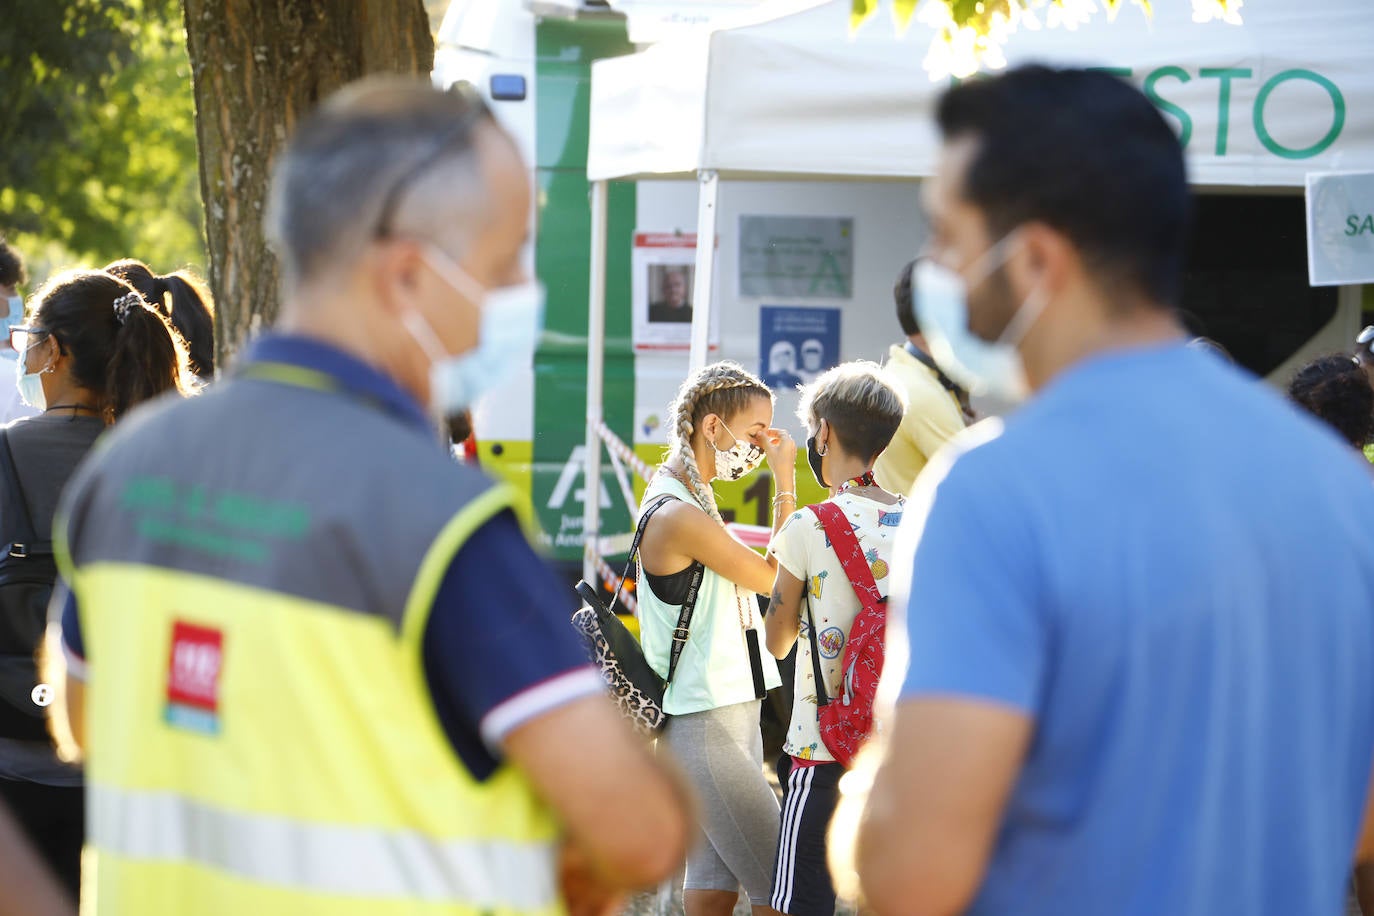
1335, 389
11, 265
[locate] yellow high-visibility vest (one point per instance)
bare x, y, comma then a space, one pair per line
260, 737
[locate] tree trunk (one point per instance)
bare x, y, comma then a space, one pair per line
258, 66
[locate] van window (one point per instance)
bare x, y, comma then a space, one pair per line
1245, 284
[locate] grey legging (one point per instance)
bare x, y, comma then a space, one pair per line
721, 752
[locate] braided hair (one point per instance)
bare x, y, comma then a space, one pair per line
723, 389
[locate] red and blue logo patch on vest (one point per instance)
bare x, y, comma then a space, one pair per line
193, 671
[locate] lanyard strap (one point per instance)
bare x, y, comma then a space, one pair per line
283, 373
822, 695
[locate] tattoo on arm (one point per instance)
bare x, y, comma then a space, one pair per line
775, 599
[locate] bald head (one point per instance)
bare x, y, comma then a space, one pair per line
385, 156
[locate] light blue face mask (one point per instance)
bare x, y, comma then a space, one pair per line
13, 316
511, 318
983, 367
30, 384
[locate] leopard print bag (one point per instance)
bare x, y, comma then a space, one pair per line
634, 685
636, 688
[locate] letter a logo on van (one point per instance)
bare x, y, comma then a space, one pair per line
193, 670
570, 475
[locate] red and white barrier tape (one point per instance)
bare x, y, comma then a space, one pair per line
626, 454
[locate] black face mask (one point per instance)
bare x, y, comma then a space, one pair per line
813, 458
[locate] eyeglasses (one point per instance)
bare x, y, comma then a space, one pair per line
476, 110
21, 335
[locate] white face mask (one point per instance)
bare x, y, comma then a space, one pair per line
739, 459
508, 330
982, 367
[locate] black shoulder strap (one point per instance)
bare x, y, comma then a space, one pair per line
684, 621
684, 618
634, 544
26, 533
924, 358
822, 697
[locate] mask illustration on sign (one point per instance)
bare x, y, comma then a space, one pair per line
511, 317
981, 366
739, 459
30, 384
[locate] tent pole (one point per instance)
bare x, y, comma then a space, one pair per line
702, 303
596, 363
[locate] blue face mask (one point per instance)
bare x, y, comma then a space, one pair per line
512, 317
981, 366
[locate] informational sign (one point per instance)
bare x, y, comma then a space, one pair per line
1340, 228
796, 257
796, 344
664, 271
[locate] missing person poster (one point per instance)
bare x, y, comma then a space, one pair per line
662, 285
796, 344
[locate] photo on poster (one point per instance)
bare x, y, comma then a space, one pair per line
796, 344
662, 286
670, 293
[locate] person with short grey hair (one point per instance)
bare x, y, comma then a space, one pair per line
367, 691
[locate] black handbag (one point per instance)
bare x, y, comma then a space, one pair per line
27, 573
636, 687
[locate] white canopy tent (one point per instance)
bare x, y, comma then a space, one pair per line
1258, 105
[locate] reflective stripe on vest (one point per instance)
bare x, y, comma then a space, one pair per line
327, 859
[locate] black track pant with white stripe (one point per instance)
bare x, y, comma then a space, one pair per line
801, 880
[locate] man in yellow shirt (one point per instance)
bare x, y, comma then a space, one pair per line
937, 408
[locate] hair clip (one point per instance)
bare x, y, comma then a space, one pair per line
125, 304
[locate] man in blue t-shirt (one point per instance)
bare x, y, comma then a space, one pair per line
1141, 672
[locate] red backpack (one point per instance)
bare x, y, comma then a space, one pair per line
847, 720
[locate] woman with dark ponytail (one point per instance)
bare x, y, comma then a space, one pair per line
182, 298
90, 350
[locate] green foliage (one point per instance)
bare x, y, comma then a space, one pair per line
97, 134
969, 34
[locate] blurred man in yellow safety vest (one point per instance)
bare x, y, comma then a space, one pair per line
316, 666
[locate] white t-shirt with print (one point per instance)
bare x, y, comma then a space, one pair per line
803, 549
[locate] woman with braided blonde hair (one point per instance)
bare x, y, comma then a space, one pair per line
722, 423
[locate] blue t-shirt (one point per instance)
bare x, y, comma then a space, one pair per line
1171, 572
497, 595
